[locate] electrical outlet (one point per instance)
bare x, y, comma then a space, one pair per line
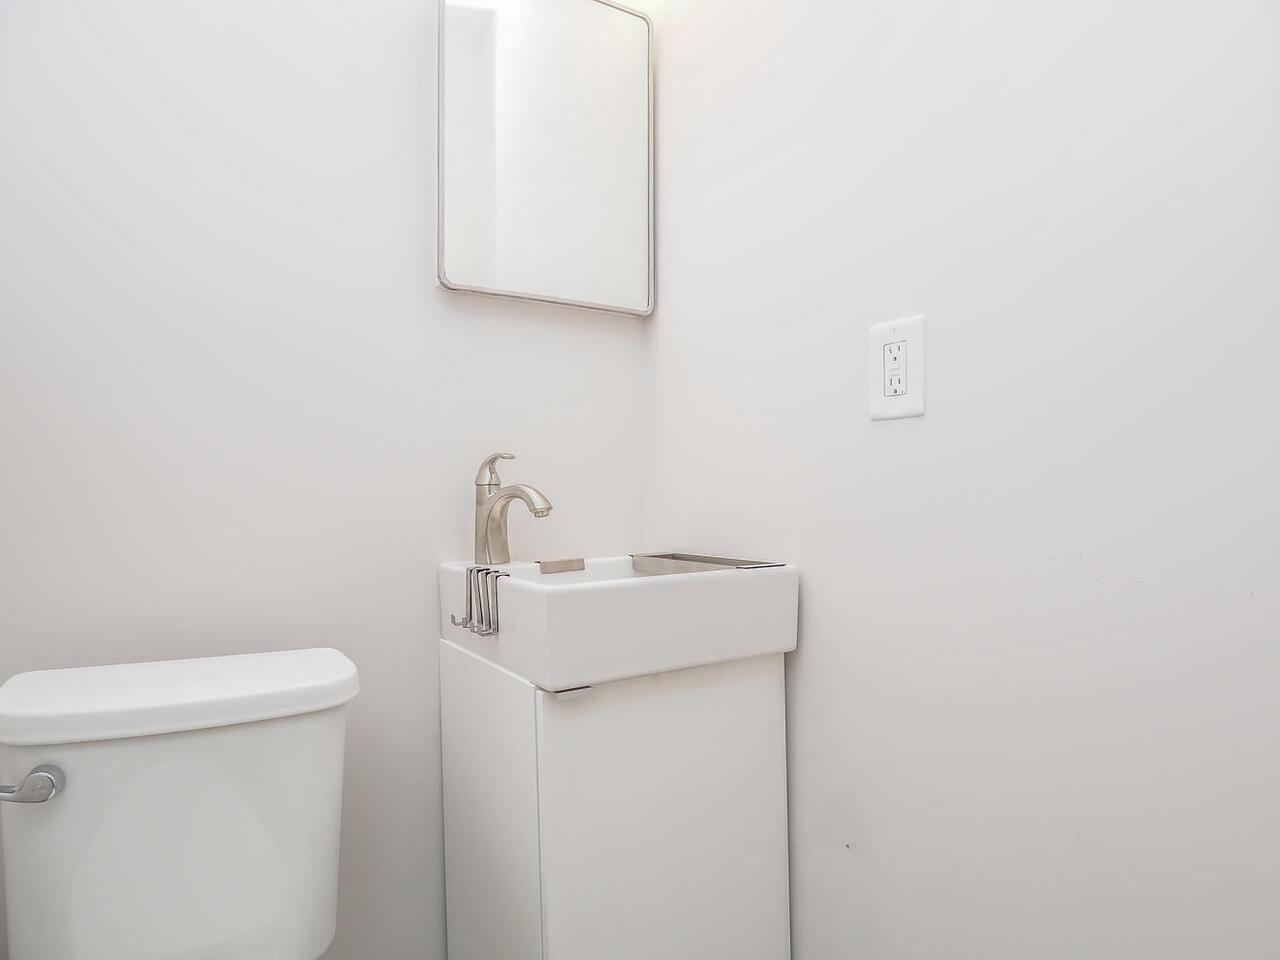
895, 369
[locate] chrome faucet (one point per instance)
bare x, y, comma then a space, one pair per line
493, 500
487, 484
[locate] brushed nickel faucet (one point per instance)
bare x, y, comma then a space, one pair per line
493, 500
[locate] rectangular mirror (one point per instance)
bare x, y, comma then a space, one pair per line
546, 152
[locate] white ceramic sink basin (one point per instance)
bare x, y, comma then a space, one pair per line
608, 622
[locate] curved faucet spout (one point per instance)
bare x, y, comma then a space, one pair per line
497, 548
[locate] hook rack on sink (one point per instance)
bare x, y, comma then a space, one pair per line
480, 615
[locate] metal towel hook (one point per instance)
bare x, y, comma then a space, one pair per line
43, 783
481, 612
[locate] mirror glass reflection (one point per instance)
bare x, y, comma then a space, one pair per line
546, 152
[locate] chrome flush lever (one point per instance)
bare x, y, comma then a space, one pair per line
43, 783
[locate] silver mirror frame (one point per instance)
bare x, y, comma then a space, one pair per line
443, 279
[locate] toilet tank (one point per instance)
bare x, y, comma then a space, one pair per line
200, 815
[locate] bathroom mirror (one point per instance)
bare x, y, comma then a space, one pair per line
546, 152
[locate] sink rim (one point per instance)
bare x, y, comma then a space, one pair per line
616, 572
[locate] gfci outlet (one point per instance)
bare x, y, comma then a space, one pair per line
895, 369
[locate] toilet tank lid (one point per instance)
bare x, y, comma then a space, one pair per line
142, 699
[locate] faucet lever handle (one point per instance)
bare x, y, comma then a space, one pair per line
488, 473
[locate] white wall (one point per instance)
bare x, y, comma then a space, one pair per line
236, 413
1034, 711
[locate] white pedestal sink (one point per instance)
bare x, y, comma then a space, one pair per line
615, 765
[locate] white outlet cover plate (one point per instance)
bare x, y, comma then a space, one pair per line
907, 338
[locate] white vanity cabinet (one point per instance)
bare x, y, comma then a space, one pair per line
642, 818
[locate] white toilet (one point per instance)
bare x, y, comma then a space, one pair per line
195, 810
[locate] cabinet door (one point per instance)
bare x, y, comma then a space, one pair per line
663, 817
490, 810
